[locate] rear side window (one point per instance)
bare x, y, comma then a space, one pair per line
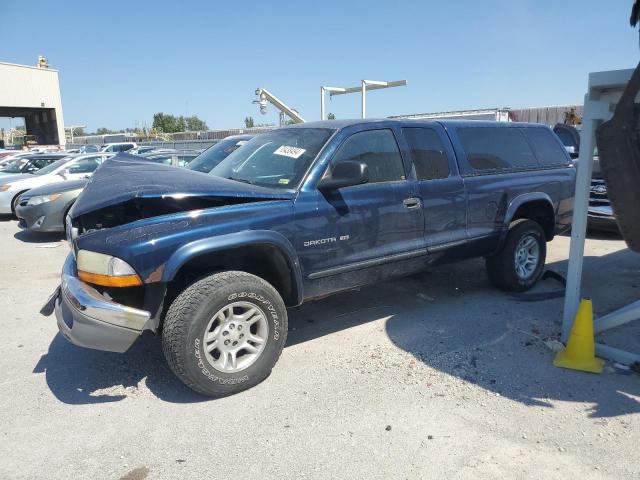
492, 149
42, 162
546, 147
566, 138
427, 153
378, 150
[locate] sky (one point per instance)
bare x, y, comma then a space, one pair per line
122, 61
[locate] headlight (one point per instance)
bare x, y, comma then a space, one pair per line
105, 270
4, 188
38, 199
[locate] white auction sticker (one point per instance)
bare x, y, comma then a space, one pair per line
287, 151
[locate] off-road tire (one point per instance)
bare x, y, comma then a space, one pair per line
501, 267
189, 315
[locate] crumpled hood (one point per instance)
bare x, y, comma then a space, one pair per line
126, 177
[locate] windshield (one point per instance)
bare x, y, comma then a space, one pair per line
52, 167
15, 166
215, 154
275, 159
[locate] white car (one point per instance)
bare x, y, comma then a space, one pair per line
118, 147
67, 168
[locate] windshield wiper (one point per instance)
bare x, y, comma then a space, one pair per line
243, 180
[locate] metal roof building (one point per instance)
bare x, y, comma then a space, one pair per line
33, 93
546, 115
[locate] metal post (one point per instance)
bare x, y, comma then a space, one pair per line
579, 225
594, 112
364, 99
321, 103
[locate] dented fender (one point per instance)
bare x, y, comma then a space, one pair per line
220, 243
516, 203
521, 200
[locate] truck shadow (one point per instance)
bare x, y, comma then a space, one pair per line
449, 319
453, 321
81, 376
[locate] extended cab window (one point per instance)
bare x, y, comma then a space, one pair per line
546, 147
427, 153
492, 149
378, 150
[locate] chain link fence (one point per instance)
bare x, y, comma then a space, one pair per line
184, 140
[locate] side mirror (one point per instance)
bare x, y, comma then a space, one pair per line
345, 174
572, 151
64, 173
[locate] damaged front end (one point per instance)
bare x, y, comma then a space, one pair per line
130, 220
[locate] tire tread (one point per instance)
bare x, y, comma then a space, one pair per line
185, 306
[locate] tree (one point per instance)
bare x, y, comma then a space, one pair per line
181, 124
195, 124
165, 123
248, 122
104, 131
331, 116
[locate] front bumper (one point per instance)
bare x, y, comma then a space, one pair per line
602, 218
39, 218
88, 319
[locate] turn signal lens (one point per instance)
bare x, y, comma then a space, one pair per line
4, 188
105, 270
110, 281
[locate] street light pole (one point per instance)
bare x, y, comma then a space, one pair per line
362, 88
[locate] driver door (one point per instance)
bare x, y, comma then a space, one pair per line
375, 224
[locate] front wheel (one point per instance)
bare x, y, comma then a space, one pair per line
15, 202
224, 333
520, 263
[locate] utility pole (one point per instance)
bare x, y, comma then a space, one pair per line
265, 96
71, 128
362, 89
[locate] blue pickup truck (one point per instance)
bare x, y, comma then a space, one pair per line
211, 262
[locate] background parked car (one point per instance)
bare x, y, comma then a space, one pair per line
600, 215
65, 169
30, 163
89, 149
142, 149
12, 155
118, 147
44, 209
177, 158
211, 157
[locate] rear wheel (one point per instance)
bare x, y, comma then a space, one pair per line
520, 263
224, 333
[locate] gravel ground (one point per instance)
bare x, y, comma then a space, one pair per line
437, 375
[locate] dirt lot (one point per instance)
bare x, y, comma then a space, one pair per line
433, 376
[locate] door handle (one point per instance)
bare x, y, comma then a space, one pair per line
412, 202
